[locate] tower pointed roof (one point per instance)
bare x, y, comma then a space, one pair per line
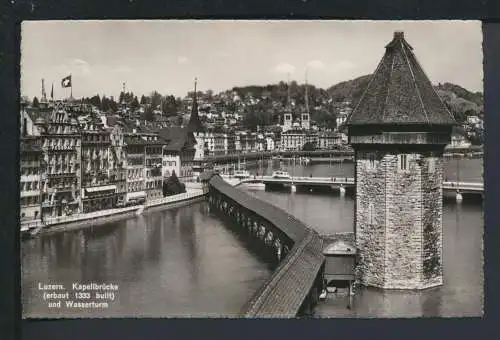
399, 92
194, 124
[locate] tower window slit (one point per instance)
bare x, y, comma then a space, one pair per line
371, 213
404, 162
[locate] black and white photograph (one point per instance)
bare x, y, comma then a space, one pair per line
251, 168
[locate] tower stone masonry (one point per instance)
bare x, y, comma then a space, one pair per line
399, 130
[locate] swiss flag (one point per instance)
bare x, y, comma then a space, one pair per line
66, 81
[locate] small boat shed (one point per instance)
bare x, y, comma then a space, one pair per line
340, 263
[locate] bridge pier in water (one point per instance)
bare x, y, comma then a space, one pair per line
265, 237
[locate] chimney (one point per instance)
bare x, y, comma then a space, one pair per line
399, 35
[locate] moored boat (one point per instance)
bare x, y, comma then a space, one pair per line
241, 174
281, 174
255, 185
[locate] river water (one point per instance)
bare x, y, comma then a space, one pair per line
180, 262
463, 226
187, 262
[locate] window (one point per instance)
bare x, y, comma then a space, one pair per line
371, 214
432, 164
371, 160
403, 162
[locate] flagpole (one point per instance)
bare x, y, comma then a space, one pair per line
71, 86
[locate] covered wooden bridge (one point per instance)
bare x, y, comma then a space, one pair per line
294, 287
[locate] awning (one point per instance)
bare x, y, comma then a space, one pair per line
103, 188
135, 195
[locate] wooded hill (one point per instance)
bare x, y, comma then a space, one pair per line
460, 101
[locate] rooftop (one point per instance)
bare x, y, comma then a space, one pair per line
176, 138
399, 92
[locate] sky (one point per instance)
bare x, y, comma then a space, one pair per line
167, 55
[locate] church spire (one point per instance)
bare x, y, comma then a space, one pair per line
44, 95
194, 124
307, 96
288, 96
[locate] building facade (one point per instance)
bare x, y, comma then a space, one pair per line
61, 145
98, 189
293, 140
329, 140
134, 163
117, 161
153, 167
31, 169
179, 152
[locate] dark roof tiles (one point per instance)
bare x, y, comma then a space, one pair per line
177, 138
195, 124
399, 92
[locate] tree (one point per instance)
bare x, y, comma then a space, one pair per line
148, 114
155, 99
113, 105
309, 146
95, 101
135, 104
104, 104
36, 103
324, 119
143, 100
169, 106
172, 186
180, 120
257, 115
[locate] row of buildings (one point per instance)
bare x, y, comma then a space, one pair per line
216, 144
72, 163
295, 132
75, 160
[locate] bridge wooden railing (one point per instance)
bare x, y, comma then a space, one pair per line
283, 294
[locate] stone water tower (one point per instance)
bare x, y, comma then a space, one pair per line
399, 130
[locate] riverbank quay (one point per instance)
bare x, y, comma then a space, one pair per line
65, 223
322, 160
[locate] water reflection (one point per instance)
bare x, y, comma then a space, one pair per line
187, 262
462, 292
180, 262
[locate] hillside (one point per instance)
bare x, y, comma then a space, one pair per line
350, 90
460, 102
